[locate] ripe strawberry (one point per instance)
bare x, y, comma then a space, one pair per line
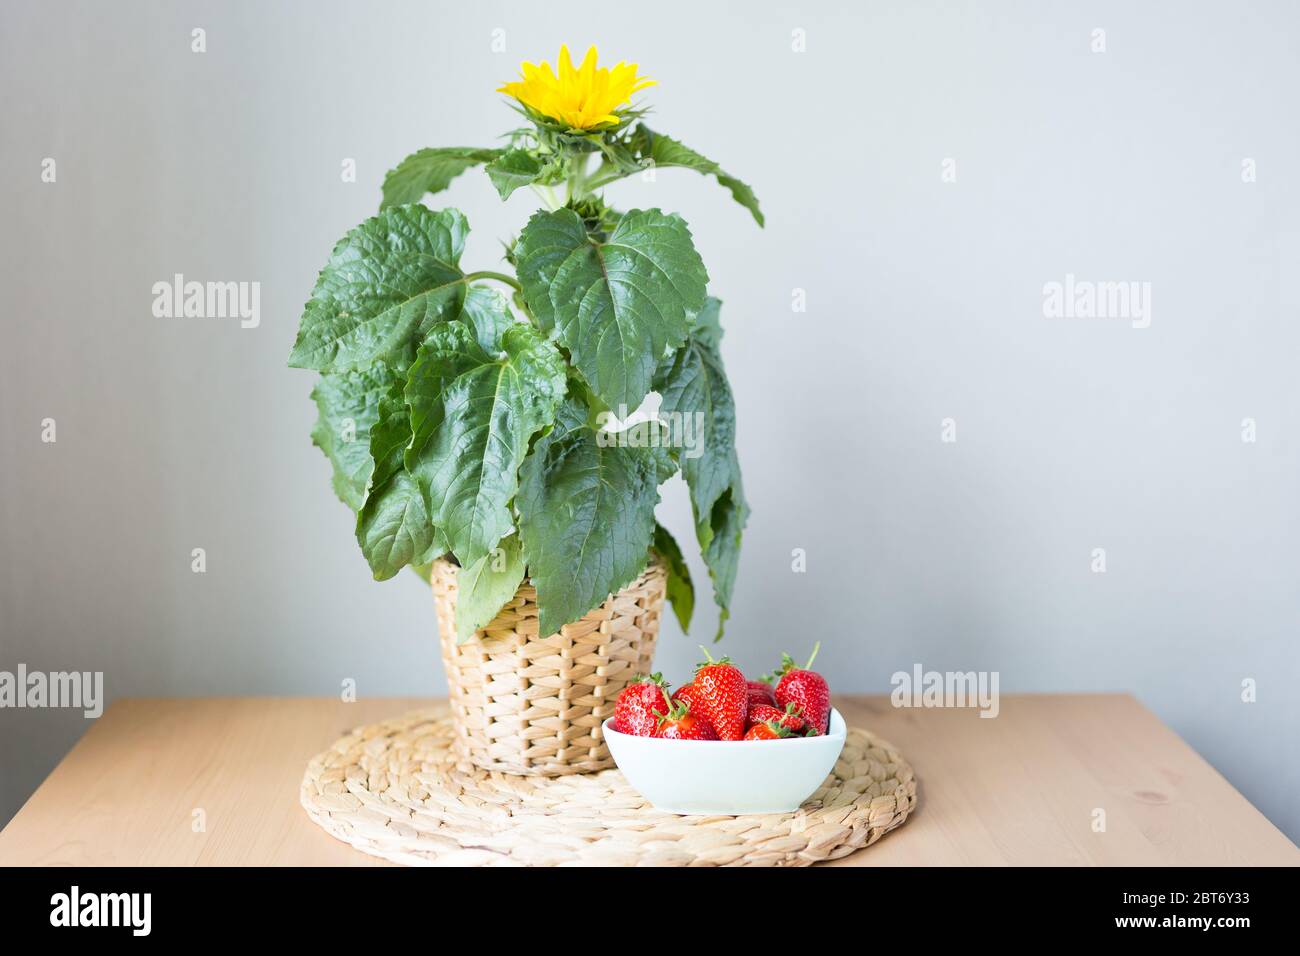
766, 731
790, 718
721, 696
680, 724
760, 691
685, 693
634, 713
805, 689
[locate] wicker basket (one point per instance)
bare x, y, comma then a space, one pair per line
529, 705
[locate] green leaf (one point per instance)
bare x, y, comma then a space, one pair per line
473, 412
660, 150
516, 168
486, 586
621, 156
546, 241
388, 282
349, 409
364, 428
700, 413
430, 171
425, 571
393, 528
619, 304
487, 312
586, 515
391, 432
708, 323
722, 553
681, 592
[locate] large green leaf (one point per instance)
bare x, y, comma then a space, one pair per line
546, 242
722, 552
393, 528
660, 150
586, 515
349, 409
473, 412
430, 171
681, 592
700, 414
616, 304
388, 282
486, 586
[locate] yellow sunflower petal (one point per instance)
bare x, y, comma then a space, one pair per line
582, 98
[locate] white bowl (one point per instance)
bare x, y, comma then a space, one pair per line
726, 776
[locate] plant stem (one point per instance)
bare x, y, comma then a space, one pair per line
816, 647
547, 196
498, 276
576, 185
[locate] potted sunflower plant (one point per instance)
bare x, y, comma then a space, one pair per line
477, 421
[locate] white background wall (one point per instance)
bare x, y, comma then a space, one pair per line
924, 303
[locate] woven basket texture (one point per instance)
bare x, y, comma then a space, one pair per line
395, 790
532, 705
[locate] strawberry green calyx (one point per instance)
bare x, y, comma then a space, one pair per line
708, 659
677, 710
766, 730
788, 664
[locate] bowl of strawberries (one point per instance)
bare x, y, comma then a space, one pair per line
694, 750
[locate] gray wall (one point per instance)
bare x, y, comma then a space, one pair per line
924, 302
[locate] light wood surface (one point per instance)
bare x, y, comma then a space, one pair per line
1018, 789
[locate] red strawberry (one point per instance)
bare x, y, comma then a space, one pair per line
721, 696
685, 693
790, 718
634, 713
767, 731
760, 691
680, 724
806, 689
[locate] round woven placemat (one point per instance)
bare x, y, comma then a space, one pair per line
395, 790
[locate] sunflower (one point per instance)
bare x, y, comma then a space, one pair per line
583, 98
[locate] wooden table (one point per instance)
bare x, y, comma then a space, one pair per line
1018, 789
